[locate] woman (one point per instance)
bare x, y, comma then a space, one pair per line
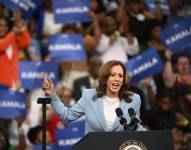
11, 40
99, 105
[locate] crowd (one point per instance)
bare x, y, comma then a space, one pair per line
119, 30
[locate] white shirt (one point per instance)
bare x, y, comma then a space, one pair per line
117, 50
109, 106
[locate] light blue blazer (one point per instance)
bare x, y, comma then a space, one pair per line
93, 111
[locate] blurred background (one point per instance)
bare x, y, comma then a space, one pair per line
70, 40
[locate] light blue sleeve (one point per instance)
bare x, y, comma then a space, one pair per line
68, 114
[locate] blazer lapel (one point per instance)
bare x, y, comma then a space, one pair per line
100, 113
117, 123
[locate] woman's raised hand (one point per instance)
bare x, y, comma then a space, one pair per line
47, 85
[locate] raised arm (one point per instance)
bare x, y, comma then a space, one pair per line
66, 113
168, 75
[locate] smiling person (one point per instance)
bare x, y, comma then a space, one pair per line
99, 105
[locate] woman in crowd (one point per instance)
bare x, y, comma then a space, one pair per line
11, 40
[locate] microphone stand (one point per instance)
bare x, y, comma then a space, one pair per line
133, 125
123, 122
43, 101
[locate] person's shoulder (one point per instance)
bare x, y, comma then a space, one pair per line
89, 91
135, 97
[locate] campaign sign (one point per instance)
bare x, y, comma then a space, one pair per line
30, 73
27, 7
71, 11
163, 4
48, 147
66, 47
67, 137
178, 36
12, 104
146, 64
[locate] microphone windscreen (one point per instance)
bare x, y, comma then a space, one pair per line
131, 112
119, 112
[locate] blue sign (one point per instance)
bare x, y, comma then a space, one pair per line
30, 73
48, 147
163, 4
67, 137
146, 64
178, 36
71, 11
12, 104
66, 47
27, 7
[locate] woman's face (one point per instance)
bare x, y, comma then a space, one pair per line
115, 81
3, 28
183, 66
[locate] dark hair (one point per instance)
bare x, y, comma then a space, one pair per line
133, 1
6, 146
151, 25
33, 134
7, 20
163, 94
182, 55
104, 74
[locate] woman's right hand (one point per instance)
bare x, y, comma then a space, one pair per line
47, 85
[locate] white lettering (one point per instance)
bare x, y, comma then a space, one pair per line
178, 36
143, 67
38, 75
72, 10
68, 141
12, 104
61, 47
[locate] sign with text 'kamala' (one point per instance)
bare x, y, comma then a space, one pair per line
27, 7
67, 137
66, 47
146, 64
30, 73
177, 36
71, 11
12, 104
163, 4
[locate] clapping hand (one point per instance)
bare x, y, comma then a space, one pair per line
47, 85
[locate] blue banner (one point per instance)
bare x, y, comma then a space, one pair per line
27, 7
66, 47
48, 147
163, 4
12, 104
71, 11
30, 73
67, 137
178, 36
146, 64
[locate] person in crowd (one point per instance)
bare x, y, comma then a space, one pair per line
99, 105
181, 80
6, 145
179, 10
35, 135
138, 17
164, 116
89, 81
11, 40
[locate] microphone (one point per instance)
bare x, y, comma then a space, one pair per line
134, 121
122, 120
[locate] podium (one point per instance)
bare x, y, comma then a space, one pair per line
129, 140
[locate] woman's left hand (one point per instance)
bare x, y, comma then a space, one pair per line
47, 85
